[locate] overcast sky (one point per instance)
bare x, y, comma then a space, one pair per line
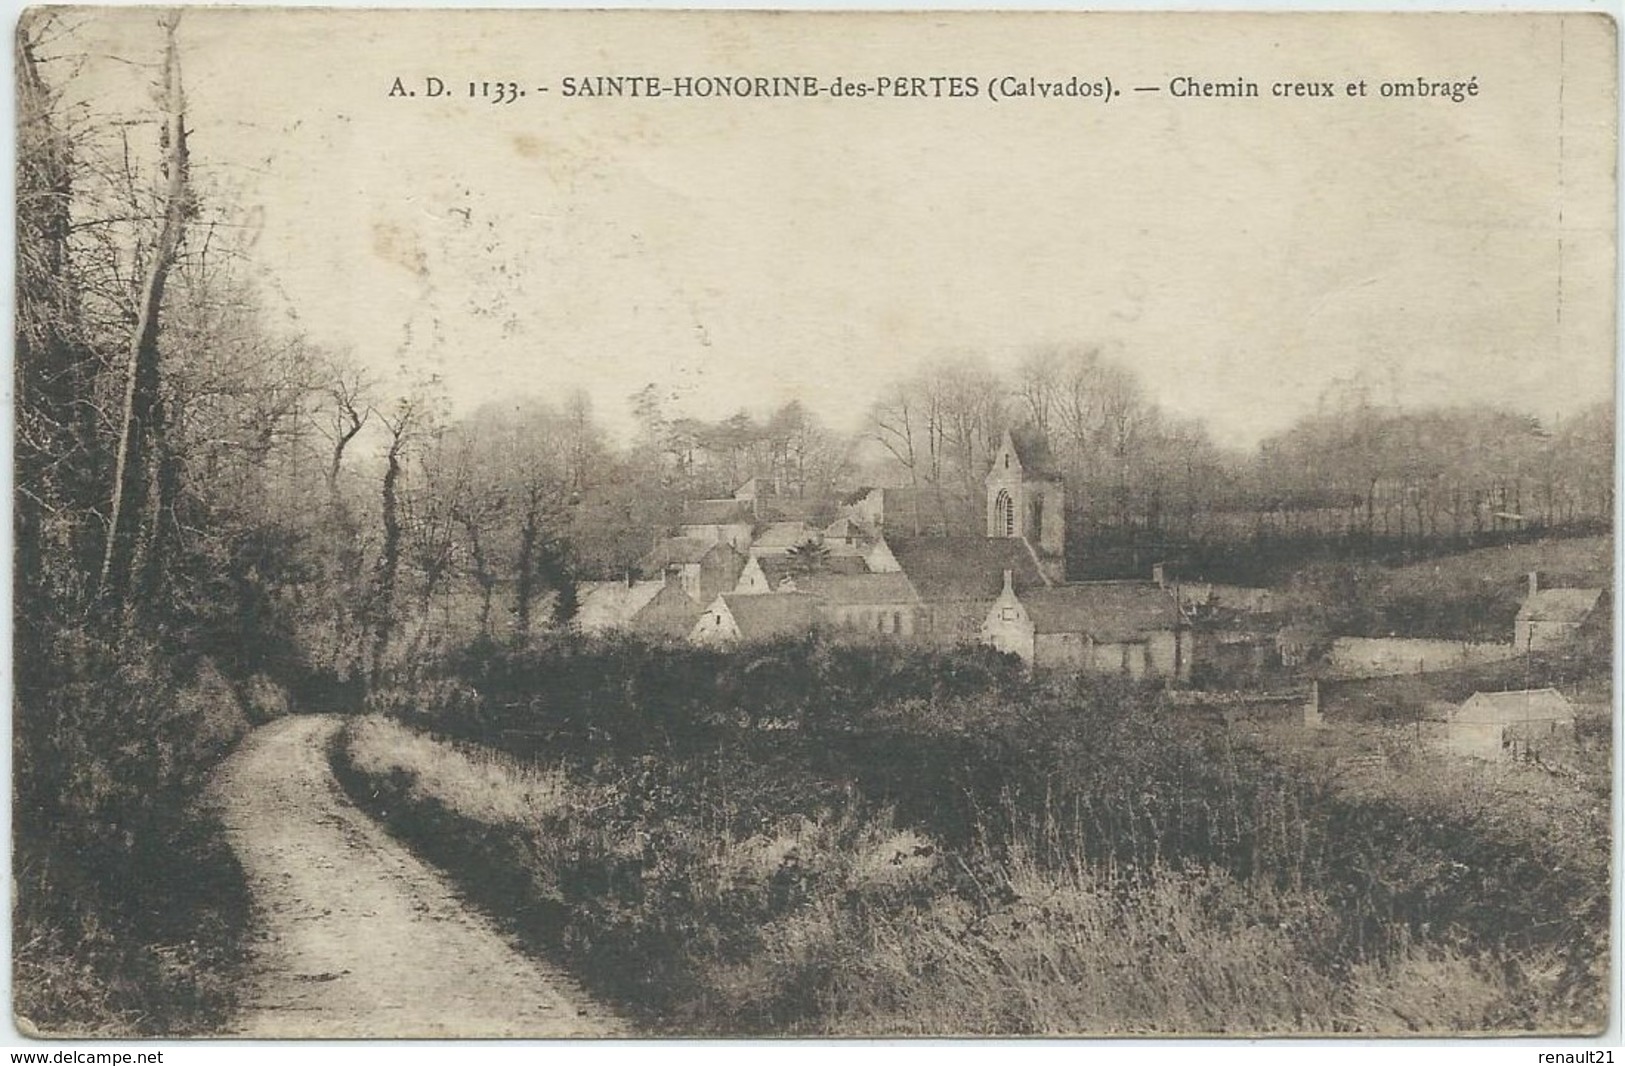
1240, 255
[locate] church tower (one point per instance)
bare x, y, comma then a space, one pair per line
1026, 499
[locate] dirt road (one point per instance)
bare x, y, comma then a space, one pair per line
357, 937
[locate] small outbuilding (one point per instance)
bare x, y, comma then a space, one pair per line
1498, 725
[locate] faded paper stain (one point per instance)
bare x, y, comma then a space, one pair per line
398, 246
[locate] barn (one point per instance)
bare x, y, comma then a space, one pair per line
1499, 725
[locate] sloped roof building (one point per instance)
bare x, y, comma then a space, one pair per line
736, 616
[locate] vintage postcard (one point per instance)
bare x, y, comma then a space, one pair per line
633, 524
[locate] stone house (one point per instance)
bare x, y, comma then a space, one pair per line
879, 604
703, 569
736, 617
1110, 627
657, 608
777, 538
607, 605
1556, 618
768, 573
671, 613
730, 522
958, 578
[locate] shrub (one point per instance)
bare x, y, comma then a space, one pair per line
130, 909
264, 700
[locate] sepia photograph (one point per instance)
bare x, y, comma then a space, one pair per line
627, 525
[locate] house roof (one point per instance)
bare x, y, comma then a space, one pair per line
1559, 605
754, 487
717, 512
847, 526
675, 550
1539, 704
1106, 610
777, 567
671, 613
1237, 598
784, 536
815, 509
1032, 451
949, 569
607, 604
769, 614
857, 589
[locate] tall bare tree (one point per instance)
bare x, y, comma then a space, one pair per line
143, 474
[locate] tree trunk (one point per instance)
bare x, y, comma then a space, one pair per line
52, 375
525, 588
141, 422
389, 562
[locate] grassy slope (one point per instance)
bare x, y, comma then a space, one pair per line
841, 921
1568, 560
1473, 595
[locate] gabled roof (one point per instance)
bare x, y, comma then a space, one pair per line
770, 614
717, 512
1032, 452
1108, 611
784, 536
952, 569
678, 550
857, 589
1559, 605
777, 567
754, 487
607, 604
1540, 704
671, 613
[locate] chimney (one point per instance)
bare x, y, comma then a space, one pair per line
1311, 708
1534, 582
674, 576
1159, 575
1009, 582
629, 577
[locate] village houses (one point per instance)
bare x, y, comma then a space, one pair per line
901, 564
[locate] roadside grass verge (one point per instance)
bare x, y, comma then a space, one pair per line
163, 959
132, 914
671, 893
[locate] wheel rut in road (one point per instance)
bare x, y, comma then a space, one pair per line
356, 936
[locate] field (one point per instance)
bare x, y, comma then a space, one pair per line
822, 839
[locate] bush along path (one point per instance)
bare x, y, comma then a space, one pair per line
356, 937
